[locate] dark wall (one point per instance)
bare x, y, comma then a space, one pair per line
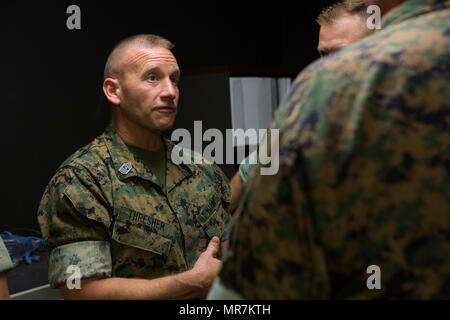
51, 76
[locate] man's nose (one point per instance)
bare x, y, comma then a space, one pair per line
169, 90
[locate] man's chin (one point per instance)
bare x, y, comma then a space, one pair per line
164, 125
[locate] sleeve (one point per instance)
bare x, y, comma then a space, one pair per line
247, 165
74, 221
6, 263
272, 252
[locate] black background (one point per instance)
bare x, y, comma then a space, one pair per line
51, 77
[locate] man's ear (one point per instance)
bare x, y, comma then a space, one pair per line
111, 88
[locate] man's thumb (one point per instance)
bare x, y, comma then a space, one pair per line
214, 245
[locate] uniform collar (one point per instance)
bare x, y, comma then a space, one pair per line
412, 8
127, 165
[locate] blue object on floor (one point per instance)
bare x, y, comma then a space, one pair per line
21, 248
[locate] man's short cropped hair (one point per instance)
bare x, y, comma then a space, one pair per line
331, 14
140, 40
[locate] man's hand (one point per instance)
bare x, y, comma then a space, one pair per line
192, 284
207, 266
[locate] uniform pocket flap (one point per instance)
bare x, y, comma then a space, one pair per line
135, 229
214, 218
218, 224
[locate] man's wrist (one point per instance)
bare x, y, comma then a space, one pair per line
195, 281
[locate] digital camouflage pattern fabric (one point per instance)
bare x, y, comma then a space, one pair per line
247, 165
107, 213
364, 173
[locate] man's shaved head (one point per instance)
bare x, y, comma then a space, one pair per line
342, 24
385, 5
336, 11
115, 64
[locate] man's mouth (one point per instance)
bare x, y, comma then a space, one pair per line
165, 109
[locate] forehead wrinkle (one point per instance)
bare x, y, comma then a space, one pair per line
134, 59
143, 58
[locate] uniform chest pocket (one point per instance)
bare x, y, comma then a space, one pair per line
214, 218
141, 231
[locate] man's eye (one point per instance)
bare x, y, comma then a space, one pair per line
175, 81
152, 77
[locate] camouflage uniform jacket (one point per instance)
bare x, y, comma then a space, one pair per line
106, 213
364, 174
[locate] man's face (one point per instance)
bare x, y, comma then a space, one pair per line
149, 88
342, 33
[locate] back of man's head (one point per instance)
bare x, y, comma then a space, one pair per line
333, 13
342, 24
113, 67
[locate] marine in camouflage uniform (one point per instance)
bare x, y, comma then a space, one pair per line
111, 222
364, 174
116, 213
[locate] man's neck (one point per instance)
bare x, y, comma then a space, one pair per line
136, 135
